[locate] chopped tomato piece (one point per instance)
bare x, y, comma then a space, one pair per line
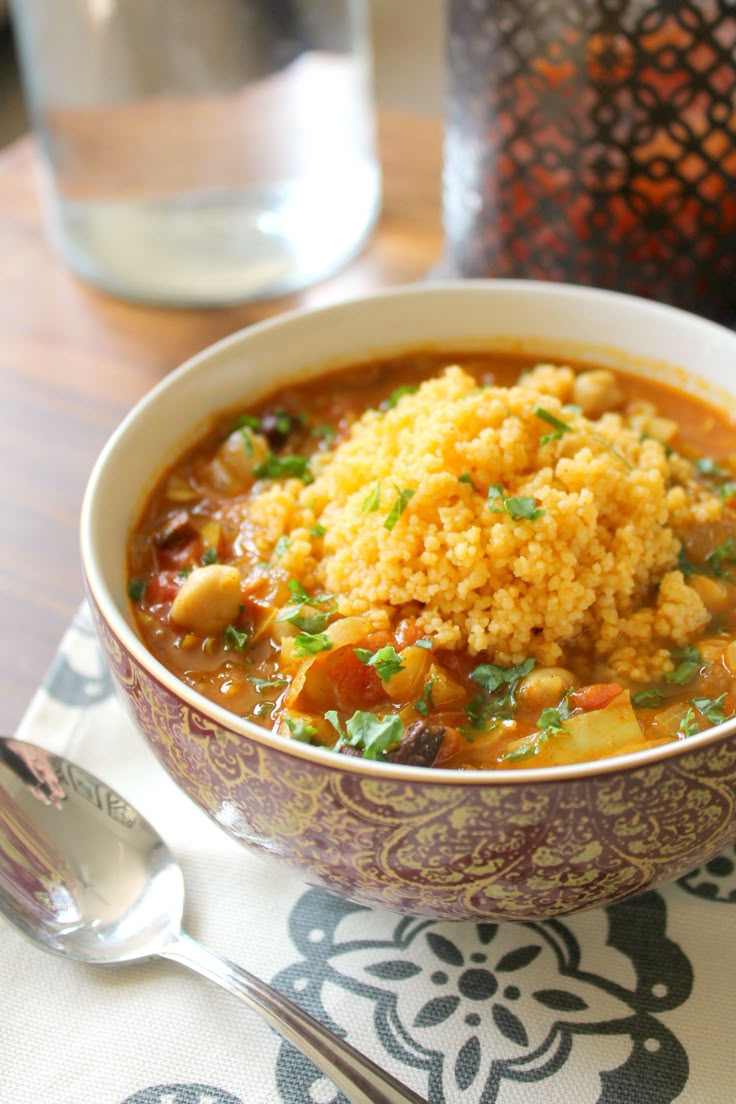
596, 696
163, 588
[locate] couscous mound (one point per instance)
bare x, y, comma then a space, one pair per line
501, 520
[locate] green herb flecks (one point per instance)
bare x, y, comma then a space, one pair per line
647, 699
498, 703
282, 545
235, 638
278, 467
209, 556
519, 507
246, 436
688, 663
309, 644
372, 501
371, 734
550, 724
689, 724
386, 661
261, 684
466, 477
559, 428
390, 402
324, 431
137, 589
425, 704
708, 466
317, 531
401, 502
300, 729
712, 709
718, 558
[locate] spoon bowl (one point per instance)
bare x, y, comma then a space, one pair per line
85, 876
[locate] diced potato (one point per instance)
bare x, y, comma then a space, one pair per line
406, 685
208, 600
444, 688
602, 732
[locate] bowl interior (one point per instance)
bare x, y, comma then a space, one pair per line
556, 321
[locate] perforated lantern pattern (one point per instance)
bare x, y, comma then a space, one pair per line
595, 143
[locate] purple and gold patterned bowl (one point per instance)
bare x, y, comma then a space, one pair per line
460, 845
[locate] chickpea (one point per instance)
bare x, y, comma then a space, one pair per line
596, 392
233, 466
544, 687
209, 599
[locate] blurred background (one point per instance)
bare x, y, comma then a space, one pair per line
408, 39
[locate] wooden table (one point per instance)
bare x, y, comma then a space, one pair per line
73, 361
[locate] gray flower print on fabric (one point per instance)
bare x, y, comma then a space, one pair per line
182, 1094
716, 881
492, 1009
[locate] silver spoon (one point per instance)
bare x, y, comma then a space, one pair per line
83, 875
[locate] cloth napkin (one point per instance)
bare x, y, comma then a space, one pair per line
633, 1003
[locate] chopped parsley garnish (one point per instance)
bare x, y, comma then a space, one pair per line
519, 507
312, 621
137, 589
274, 467
647, 699
261, 684
499, 701
184, 572
297, 591
491, 677
466, 477
235, 638
549, 724
706, 465
373, 735
246, 436
711, 708
282, 422
405, 389
558, 427
689, 661
248, 421
424, 704
309, 644
724, 554
372, 501
402, 501
689, 725
550, 720
300, 729
385, 661
326, 432
317, 530
209, 556
686, 566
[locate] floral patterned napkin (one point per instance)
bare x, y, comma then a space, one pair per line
633, 1004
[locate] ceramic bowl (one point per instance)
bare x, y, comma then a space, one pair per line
464, 845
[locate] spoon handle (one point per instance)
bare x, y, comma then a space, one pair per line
360, 1079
